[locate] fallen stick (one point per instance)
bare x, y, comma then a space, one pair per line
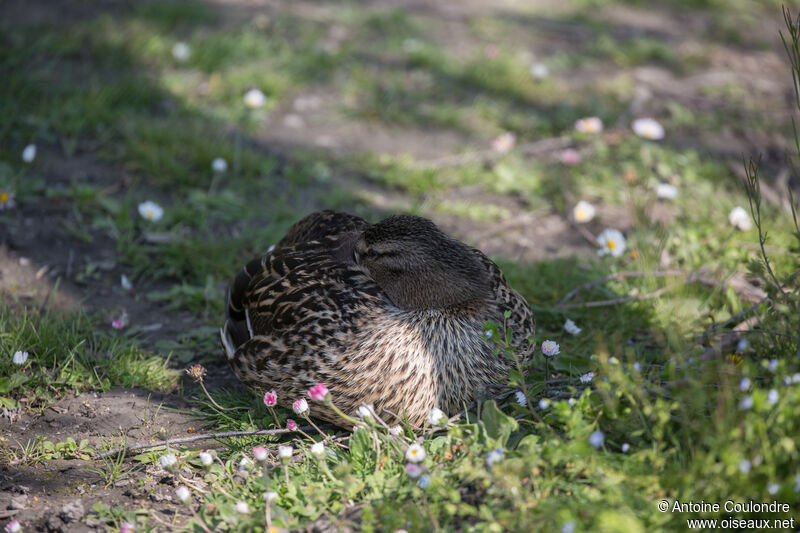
193, 438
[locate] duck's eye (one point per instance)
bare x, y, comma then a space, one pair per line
372, 253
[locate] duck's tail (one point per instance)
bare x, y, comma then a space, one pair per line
237, 328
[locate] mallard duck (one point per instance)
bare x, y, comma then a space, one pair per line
390, 314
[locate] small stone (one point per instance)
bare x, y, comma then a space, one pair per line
18, 502
72, 512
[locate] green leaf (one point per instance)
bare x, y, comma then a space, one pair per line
498, 424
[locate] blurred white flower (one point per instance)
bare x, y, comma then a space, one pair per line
167, 461
181, 51
494, 456
613, 360
254, 99
125, 282
396, 430
583, 212
772, 366
183, 494
206, 458
568, 527
436, 416
589, 125
539, 71
746, 403
637, 366
744, 466
364, 412
151, 211
739, 218
626, 447
571, 328
570, 156
285, 452
744, 384
665, 191
271, 495
742, 345
571, 401
20, 357
648, 128
773, 488
587, 377
612, 241
796, 377
772, 397
504, 143
242, 507
544, 404
7, 199
219, 165
596, 439
318, 449
29, 153
521, 399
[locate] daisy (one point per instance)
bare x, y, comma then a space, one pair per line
219, 165
415, 453
665, 191
570, 156
550, 348
183, 494
589, 125
260, 454
435, 417
504, 143
587, 378
254, 99
648, 128
612, 242
494, 456
571, 328
7, 199
539, 71
413, 470
151, 211
181, 52
270, 398
544, 404
206, 458
318, 392
29, 153
300, 406
739, 218
242, 507
521, 399
626, 447
318, 449
125, 283
583, 212
20, 357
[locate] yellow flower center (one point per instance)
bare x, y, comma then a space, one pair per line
581, 214
3, 197
611, 245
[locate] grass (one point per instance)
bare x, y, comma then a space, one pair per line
673, 423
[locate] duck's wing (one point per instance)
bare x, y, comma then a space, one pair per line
319, 225
522, 321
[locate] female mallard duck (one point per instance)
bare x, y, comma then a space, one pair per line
389, 314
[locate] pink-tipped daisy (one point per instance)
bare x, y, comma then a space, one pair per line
270, 398
318, 392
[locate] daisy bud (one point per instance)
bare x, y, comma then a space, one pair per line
242, 507
168, 461
126, 527
260, 454
300, 406
291, 424
285, 454
318, 449
13, 527
395, 430
413, 470
20, 357
318, 392
206, 458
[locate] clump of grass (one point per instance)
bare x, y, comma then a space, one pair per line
70, 353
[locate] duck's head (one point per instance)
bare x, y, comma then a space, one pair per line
419, 266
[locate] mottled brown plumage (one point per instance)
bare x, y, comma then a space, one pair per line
390, 314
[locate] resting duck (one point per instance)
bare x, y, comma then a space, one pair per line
389, 314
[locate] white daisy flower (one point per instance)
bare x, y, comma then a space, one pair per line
364, 412
183, 494
254, 99
125, 283
181, 52
626, 447
550, 348
589, 125
242, 507
772, 397
571, 328
395, 430
271, 495
151, 211
648, 128
744, 466
29, 153
415, 453
596, 439
20, 357
436, 416
665, 191
206, 458
539, 71
739, 218
219, 165
612, 242
494, 456
167, 461
587, 377
544, 404
583, 212
285, 452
